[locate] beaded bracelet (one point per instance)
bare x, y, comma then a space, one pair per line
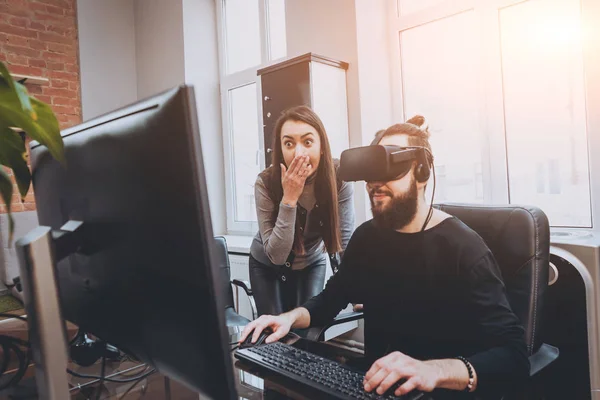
470, 369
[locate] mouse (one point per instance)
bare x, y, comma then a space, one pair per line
261, 339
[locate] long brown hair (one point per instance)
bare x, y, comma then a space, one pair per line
325, 181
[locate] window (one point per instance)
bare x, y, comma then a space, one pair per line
502, 85
438, 70
542, 71
251, 34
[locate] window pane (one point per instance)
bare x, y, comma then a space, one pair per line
242, 30
410, 6
277, 36
244, 137
544, 104
439, 78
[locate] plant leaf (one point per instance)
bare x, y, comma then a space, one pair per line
6, 190
19, 90
12, 154
45, 129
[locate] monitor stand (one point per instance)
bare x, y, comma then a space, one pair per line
38, 252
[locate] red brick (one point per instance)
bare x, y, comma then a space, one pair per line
16, 59
54, 38
63, 75
3, 208
39, 37
59, 92
57, 83
21, 51
18, 12
37, 7
61, 101
64, 110
34, 89
19, 22
43, 98
31, 71
37, 45
72, 68
56, 10
61, 48
37, 63
61, 30
13, 30
57, 3
17, 40
48, 55
37, 26
56, 66
51, 17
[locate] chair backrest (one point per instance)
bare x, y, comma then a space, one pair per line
225, 271
519, 238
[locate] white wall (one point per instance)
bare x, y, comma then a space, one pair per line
202, 71
374, 77
159, 45
355, 32
107, 55
133, 49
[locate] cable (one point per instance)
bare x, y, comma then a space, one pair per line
9, 343
430, 213
131, 388
234, 348
109, 379
102, 373
7, 315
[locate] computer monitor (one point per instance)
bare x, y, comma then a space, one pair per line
143, 277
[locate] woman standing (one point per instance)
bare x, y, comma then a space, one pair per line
304, 212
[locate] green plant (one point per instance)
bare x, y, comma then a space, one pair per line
36, 119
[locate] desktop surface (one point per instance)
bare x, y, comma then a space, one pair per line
251, 383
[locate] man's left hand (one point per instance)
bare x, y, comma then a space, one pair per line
388, 370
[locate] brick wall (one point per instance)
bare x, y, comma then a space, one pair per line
39, 38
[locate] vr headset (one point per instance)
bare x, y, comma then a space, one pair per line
384, 163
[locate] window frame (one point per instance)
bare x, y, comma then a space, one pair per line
227, 83
496, 184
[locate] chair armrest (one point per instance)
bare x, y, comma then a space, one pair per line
244, 285
317, 333
545, 356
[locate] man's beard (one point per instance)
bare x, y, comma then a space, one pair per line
399, 212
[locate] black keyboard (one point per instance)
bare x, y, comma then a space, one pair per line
330, 377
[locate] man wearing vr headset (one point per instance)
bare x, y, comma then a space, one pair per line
435, 306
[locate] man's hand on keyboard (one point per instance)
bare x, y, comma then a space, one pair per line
388, 370
280, 325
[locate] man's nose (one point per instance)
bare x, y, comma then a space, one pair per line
374, 185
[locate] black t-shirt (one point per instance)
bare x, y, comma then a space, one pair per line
430, 295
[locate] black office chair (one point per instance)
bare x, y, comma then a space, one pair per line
519, 238
232, 318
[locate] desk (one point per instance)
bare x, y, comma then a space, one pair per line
251, 383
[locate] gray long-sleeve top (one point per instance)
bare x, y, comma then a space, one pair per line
274, 240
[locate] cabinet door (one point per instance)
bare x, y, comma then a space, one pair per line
329, 101
282, 89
